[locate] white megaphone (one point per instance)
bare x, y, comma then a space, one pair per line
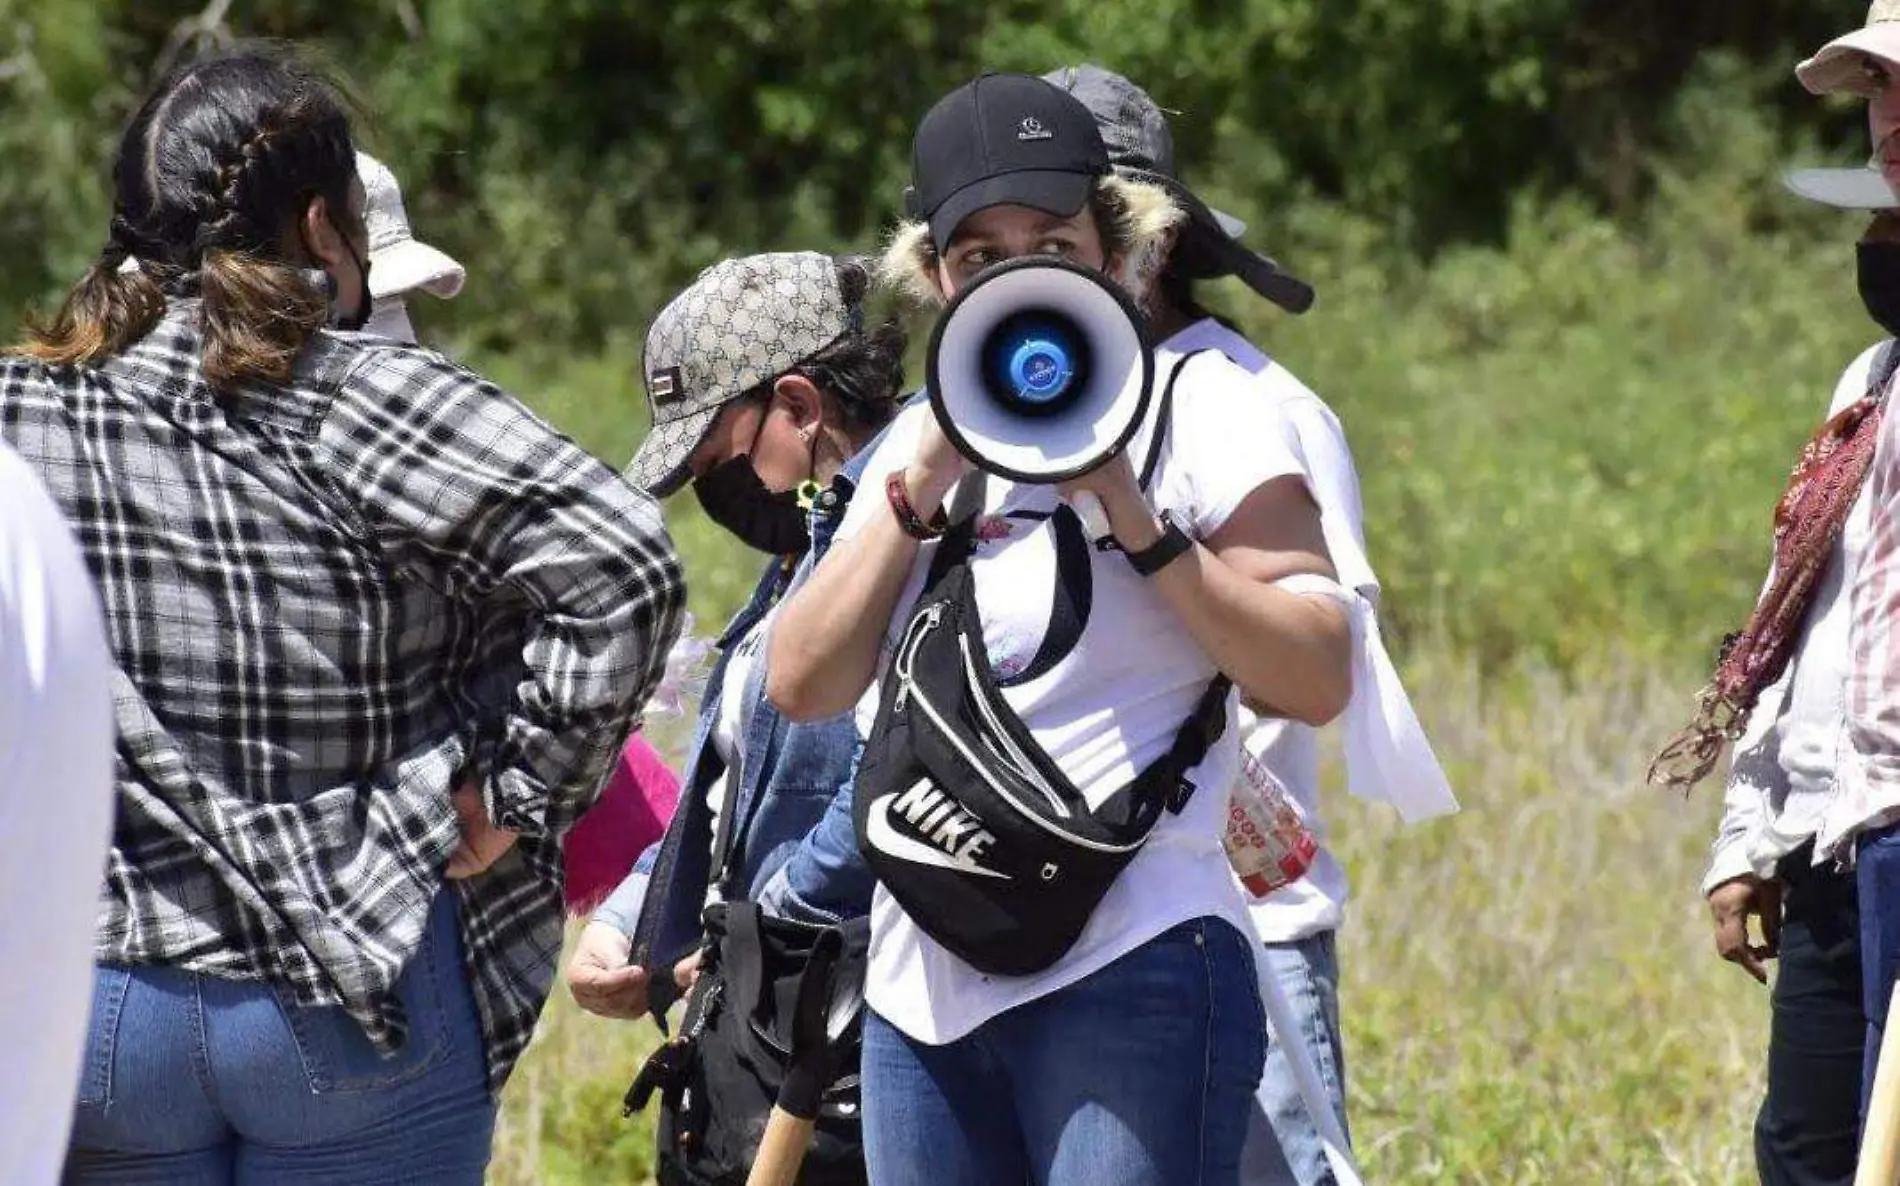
1039, 371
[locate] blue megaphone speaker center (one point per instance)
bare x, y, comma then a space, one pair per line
1037, 362
1039, 371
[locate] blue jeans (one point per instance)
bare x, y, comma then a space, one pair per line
1877, 891
1139, 1075
1283, 1146
191, 1079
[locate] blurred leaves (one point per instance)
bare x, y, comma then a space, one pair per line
591, 154
1574, 328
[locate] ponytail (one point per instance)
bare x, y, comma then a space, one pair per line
257, 316
107, 310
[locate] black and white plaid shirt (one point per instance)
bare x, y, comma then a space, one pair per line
331, 603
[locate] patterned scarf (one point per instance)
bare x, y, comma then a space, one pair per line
1808, 521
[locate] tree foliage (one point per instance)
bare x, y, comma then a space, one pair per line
590, 153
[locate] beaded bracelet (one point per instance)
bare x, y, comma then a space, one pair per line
907, 516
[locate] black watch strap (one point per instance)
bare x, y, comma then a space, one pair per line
1162, 552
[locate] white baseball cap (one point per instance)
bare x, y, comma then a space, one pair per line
398, 261
1841, 65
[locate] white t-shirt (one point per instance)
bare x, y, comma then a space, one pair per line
1781, 781
1104, 710
728, 731
56, 798
1387, 755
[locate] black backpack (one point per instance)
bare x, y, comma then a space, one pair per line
964, 818
719, 1078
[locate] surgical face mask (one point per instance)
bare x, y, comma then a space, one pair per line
1879, 266
735, 497
390, 319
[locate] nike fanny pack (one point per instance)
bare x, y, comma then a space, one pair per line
968, 822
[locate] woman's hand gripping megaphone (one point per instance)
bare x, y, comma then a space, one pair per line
935, 468
1109, 501
938, 465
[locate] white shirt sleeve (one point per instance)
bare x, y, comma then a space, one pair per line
1334, 479
1224, 442
56, 799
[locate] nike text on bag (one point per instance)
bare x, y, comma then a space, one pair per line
967, 821
719, 1078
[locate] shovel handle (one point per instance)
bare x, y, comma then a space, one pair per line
1880, 1144
781, 1150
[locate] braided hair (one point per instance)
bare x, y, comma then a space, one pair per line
211, 177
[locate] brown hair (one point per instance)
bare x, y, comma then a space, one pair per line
211, 176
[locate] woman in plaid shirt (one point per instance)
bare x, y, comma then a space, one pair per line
379, 633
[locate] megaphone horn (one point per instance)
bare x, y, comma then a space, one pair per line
1039, 370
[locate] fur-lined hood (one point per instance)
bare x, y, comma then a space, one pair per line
1137, 217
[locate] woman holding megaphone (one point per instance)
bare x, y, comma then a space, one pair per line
1060, 986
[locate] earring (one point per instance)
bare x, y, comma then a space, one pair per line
804, 434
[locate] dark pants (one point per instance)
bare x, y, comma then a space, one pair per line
1877, 874
1809, 1122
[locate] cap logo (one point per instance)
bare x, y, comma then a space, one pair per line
664, 386
1031, 129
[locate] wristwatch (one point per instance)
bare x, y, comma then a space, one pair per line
1163, 552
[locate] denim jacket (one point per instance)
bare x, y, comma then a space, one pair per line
793, 846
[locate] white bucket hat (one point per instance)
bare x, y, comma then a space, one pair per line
1864, 188
398, 261
1842, 63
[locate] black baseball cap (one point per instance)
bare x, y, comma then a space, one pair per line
1004, 139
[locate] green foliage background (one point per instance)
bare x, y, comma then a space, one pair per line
1573, 326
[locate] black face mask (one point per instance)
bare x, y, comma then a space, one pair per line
360, 318
735, 498
1880, 284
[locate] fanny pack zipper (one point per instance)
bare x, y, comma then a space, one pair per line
909, 692
1016, 757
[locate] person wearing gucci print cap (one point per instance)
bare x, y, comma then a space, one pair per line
1130, 1051
763, 381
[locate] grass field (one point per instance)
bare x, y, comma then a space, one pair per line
1530, 993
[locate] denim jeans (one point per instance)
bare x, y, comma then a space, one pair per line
1877, 891
1806, 1133
1283, 1146
190, 1079
1139, 1075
